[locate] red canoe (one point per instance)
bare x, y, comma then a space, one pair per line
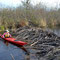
14, 41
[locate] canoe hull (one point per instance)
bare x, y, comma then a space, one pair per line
14, 41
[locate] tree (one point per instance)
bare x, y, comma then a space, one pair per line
26, 5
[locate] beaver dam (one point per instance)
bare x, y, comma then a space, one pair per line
42, 44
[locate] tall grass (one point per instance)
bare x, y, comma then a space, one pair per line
11, 18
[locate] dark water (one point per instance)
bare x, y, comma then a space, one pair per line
56, 31
10, 52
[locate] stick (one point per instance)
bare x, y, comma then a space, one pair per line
35, 42
12, 56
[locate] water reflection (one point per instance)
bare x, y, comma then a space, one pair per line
57, 32
11, 52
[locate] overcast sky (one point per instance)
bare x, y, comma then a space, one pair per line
15, 3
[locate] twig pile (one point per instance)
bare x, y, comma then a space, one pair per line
46, 42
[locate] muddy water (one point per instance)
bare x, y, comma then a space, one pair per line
10, 52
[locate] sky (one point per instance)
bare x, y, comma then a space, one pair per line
15, 3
